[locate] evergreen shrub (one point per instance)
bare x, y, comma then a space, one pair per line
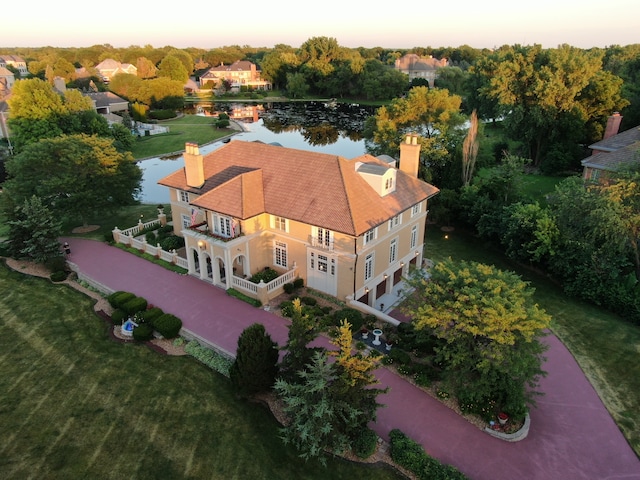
118, 316
142, 332
298, 283
119, 298
135, 305
364, 445
58, 276
150, 315
167, 325
410, 455
309, 301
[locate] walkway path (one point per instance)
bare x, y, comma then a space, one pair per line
572, 435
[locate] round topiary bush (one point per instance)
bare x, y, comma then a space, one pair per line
168, 325
58, 276
118, 316
365, 443
354, 317
142, 332
172, 242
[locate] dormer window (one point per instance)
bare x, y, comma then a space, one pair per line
183, 196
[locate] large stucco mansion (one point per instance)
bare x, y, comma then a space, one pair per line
348, 228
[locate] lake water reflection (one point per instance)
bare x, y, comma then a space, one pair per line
303, 125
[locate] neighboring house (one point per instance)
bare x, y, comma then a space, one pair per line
109, 68
16, 62
108, 102
7, 79
420, 67
613, 152
348, 228
241, 73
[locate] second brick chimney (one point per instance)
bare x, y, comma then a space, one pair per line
193, 165
410, 155
613, 125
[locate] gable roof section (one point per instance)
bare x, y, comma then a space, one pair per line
620, 158
618, 141
244, 179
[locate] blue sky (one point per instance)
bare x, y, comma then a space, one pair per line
210, 24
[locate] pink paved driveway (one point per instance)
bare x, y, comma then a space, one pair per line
572, 435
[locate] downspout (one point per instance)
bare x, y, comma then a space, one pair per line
355, 265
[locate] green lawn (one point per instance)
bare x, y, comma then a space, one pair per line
606, 346
537, 187
188, 128
76, 404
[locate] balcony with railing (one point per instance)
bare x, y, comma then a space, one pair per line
323, 244
203, 229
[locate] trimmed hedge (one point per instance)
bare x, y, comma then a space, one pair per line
167, 325
410, 455
134, 305
119, 298
150, 315
245, 298
142, 332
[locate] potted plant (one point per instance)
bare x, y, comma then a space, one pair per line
364, 331
502, 418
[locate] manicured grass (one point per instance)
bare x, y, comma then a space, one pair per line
188, 128
124, 218
606, 347
537, 187
75, 404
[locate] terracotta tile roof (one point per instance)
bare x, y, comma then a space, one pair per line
247, 178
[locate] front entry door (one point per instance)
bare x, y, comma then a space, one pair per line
321, 272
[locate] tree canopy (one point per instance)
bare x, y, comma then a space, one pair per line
491, 327
76, 176
433, 114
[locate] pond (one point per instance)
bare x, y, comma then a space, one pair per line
315, 126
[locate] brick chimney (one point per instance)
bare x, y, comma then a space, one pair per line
410, 155
613, 125
193, 165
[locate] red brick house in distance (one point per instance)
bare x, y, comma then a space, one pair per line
613, 152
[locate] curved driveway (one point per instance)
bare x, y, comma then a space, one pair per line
572, 435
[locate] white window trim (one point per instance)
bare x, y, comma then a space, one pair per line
416, 209
393, 250
186, 221
395, 221
370, 236
276, 223
281, 247
413, 241
369, 266
182, 195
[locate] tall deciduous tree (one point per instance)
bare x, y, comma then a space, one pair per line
173, 68
491, 327
544, 95
76, 176
433, 114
